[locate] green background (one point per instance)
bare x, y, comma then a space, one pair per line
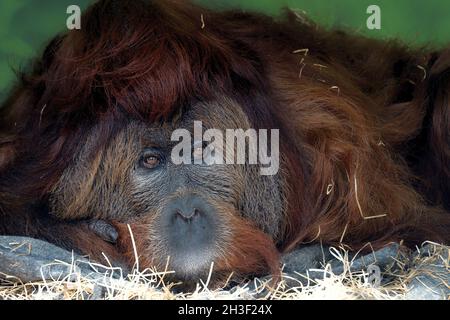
26, 25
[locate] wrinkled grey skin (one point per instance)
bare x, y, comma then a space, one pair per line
114, 185
26, 259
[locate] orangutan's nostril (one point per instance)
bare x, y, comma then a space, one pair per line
189, 215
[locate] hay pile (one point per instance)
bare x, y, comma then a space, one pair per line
424, 276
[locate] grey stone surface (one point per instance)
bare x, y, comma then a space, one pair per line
430, 272
432, 279
25, 259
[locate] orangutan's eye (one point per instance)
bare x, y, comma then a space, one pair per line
151, 159
151, 162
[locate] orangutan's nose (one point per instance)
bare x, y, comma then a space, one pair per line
191, 216
190, 224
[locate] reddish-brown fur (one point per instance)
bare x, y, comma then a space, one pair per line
369, 120
251, 250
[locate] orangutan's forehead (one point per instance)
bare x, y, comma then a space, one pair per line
222, 113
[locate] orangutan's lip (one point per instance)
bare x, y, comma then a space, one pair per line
192, 264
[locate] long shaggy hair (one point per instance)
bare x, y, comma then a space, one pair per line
364, 124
